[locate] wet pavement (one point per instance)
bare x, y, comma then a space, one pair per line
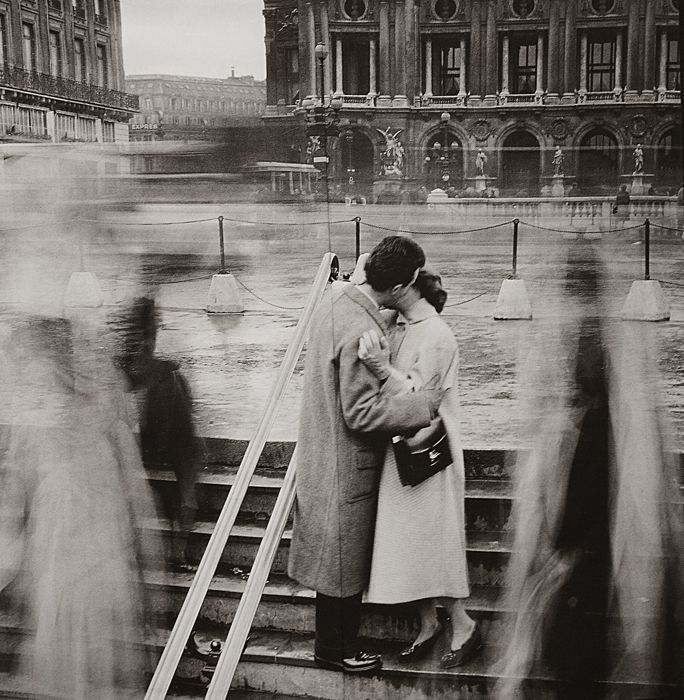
232, 361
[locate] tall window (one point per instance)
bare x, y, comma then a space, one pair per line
102, 66
79, 61
523, 65
601, 63
449, 75
672, 64
290, 60
55, 54
78, 7
3, 40
29, 46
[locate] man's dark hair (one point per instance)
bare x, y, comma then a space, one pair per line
393, 261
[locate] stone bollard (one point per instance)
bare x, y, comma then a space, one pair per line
646, 302
513, 304
83, 291
224, 295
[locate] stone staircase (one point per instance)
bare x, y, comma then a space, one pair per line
278, 657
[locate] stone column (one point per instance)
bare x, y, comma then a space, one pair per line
463, 92
618, 62
491, 61
325, 38
428, 68
570, 56
583, 62
475, 78
649, 77
311, 44
339, 84
400, 58
410, 88
553, 77
662, 82
505, 63
384, 54
373, 67
540, 65
633, 86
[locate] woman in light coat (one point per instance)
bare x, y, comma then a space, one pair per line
419, 550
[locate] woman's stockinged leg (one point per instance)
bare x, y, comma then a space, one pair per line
462, 625
429, 622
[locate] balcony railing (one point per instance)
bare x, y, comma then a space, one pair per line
527, 98
460, 100
359, 100
670, 96
32, 81
616, 95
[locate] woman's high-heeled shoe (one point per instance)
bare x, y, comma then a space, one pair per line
418, 651
458, 657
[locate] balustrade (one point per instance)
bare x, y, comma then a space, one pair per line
14, 77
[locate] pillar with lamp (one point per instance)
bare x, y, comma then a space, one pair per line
438, 162
322, 121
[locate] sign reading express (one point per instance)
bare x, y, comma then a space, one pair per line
144, 127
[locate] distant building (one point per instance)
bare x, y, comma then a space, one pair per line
177, 107
514, 78
61, 72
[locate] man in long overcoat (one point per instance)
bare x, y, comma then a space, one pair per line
344, 429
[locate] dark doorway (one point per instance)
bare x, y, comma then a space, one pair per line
597, 169
669, 161
520, 164
357, 160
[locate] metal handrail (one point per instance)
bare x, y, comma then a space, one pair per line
251, 597
163, 675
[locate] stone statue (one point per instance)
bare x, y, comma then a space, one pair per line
481, 162
392, 158
313, 145
638, 160
558, 160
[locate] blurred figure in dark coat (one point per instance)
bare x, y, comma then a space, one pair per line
164, 409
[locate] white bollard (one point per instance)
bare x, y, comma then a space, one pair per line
646, 302
513, 304
83, 291
224, 295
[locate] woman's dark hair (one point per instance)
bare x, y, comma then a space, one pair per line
430, 287
393, 261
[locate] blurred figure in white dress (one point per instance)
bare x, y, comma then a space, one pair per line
73, 496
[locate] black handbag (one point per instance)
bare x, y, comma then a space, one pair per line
416, 465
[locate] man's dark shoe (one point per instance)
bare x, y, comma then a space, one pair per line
467, 651
363, 662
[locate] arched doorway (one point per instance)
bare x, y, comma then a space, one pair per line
444, 165
520, 164
669, 161
597, 168
357, 160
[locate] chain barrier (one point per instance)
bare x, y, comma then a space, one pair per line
436, 233
575, 231
668, 228
460, 303
674, 284
275, 306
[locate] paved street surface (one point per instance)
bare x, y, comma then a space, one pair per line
231, 361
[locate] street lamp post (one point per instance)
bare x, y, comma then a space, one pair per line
445, 117
323, 121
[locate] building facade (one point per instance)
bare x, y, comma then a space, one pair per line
176, 107
486, 87
61, 72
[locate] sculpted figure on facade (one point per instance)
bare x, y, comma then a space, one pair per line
392, 158
558, 162
638, 160
481, 163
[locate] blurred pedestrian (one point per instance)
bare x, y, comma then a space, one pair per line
72, 545
622, 204
164, 418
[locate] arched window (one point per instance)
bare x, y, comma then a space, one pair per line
521, 163
669, 159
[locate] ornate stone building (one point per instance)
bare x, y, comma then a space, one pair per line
61, 72
514, 79
176, 107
